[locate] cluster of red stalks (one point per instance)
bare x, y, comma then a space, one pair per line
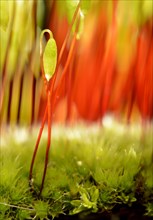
88, 83
93, 83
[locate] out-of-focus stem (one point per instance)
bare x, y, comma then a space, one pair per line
4, 70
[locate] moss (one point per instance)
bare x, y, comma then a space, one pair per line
90, 170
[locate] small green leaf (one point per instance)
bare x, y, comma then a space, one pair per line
76, 203
95, 195
50, 58
77, 210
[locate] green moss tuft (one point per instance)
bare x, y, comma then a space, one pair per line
90, 170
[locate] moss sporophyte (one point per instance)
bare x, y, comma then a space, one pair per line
49, 68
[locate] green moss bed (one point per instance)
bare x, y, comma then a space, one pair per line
93, 173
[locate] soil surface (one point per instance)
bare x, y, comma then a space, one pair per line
124, 213
127, 216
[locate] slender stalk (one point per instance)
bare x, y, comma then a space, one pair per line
68, 34
16, 206
49, 139
9, 102
33, 98
67, 62
34, 13
36, 146
20, 98
4, 69
69, 88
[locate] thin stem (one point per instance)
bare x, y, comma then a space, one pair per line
33, 99
20, 98
67, 62
37, 144
49, 139
9, 102
69, 88
34, 13
68, 34
132, 99
15, 206
4, 69
72, 45
49, 108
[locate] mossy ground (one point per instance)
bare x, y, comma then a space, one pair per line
90, 170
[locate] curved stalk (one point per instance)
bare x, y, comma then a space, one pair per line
36, 147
